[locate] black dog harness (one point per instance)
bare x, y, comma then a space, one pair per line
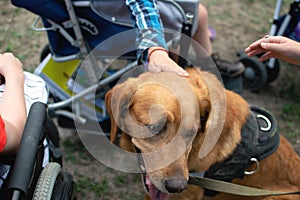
260, 138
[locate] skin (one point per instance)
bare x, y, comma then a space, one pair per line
278, 47
12, 104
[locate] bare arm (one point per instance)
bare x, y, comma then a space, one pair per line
12, 104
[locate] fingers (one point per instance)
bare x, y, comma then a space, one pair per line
10, 66
254, 48
264, 44
10, 58
255, 51
174, 69
265, 56
181, 72
152, 67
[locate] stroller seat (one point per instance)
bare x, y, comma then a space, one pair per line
98, 20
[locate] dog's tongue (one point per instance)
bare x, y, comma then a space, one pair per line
155, 194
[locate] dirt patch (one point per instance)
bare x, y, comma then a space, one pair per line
237, 23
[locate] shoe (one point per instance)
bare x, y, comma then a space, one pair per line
228, 68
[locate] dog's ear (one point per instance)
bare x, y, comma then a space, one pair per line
113, 127
117, 102
227, 114
222, 111
203, 98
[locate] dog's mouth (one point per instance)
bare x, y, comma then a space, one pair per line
152, 190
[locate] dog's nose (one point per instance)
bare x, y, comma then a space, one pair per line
176, 185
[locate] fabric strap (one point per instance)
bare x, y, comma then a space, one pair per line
231, 188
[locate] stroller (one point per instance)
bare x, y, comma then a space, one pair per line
80, 51
35, 172
259, 74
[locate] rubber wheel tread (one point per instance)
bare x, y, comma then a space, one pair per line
46, 181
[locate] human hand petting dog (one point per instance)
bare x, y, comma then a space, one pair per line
279, 47
160, 61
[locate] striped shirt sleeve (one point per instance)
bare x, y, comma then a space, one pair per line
148, 24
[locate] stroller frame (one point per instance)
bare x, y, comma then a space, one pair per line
290, 18
58, 108
26, 175
258, 74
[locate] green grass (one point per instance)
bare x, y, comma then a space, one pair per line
75, 152
291, 116
291, 111
86, 184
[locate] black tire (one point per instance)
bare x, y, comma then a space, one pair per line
64, 188
46, 182
255, 75
273, 72
54, 184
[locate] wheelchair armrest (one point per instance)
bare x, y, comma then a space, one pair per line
33, 134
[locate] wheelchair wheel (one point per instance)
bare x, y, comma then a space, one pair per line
54, 184
255, 75
45, 185
273, 72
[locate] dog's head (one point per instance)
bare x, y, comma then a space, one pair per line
164, 117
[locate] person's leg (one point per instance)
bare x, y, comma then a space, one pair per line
202, 36
202, 33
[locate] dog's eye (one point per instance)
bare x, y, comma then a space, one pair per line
157, 127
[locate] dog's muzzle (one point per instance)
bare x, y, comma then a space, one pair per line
176, 185
173, 185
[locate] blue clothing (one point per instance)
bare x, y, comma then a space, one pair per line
148, 23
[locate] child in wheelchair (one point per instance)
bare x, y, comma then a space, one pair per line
12, 107
21, 93
12, 104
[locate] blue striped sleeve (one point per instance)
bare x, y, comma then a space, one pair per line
148, 24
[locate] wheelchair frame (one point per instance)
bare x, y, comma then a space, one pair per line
26, 175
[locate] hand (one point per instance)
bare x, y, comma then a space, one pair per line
276, 47
10, 68
159, 61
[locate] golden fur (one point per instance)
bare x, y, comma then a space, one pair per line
280, 171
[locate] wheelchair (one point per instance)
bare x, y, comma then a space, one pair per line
35, 172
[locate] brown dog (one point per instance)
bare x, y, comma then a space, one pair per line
183, 125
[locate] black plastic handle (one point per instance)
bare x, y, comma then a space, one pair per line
22, 169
